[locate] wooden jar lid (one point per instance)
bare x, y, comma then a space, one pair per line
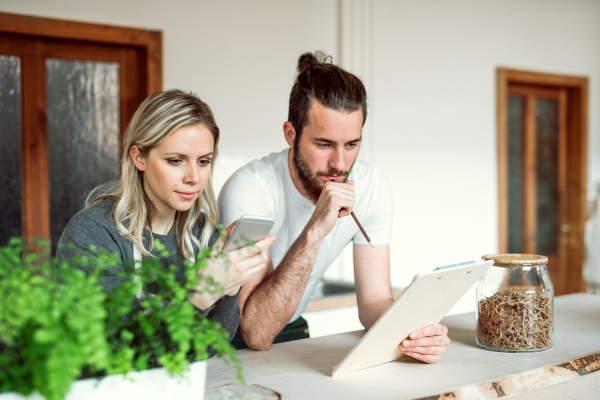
518, 259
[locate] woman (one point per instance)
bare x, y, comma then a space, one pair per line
165, 192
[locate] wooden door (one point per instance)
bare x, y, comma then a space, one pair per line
536, 132
57, 118
542, 171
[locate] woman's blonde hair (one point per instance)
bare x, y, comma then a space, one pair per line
161, 114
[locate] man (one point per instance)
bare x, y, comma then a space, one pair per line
310, 190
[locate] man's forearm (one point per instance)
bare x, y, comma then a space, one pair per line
271, 306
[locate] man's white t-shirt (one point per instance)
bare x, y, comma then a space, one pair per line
265, 188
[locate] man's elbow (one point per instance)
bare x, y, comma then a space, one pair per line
366, 321
260, 345
254, 338
257, 342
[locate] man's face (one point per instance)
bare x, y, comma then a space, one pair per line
327, 148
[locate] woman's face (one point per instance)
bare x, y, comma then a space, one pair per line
176, 172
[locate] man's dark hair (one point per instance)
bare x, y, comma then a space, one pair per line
320, 80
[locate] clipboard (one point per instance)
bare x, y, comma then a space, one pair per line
424, 302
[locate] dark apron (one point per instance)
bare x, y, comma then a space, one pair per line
293, 331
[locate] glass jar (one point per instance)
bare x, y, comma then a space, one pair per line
515, 304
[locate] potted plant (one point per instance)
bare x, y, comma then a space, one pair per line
57, 324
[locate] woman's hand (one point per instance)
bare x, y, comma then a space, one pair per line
231, 269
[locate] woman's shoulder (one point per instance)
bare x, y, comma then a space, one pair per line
91, 226
100, 212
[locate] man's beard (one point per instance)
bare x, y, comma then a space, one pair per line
309, 180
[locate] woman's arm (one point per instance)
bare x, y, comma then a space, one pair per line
226, 312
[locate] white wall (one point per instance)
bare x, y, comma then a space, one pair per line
430, 71
434, 100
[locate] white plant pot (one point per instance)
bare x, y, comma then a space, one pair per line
148, 385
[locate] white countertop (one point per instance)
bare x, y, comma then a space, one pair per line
302, 369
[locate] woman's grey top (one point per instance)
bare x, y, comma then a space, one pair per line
94, 226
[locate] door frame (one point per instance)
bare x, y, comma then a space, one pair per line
148, 40
147, 48
574, 196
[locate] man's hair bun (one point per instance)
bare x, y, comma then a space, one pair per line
310, 60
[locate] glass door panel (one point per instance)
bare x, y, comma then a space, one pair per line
516, 105
83, 134
10, 148
547, 176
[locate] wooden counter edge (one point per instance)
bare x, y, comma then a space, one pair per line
526, 381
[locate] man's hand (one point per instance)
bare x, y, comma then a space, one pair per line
336, 201
426, 344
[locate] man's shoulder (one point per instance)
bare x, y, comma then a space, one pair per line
253, 189
268, 165
364, 172
266, 171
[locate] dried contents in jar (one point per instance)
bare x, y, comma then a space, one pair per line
518, 321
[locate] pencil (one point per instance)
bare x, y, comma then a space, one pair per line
362, 229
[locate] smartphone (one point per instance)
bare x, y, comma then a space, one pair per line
249, 229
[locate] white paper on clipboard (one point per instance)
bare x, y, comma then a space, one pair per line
427, 300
